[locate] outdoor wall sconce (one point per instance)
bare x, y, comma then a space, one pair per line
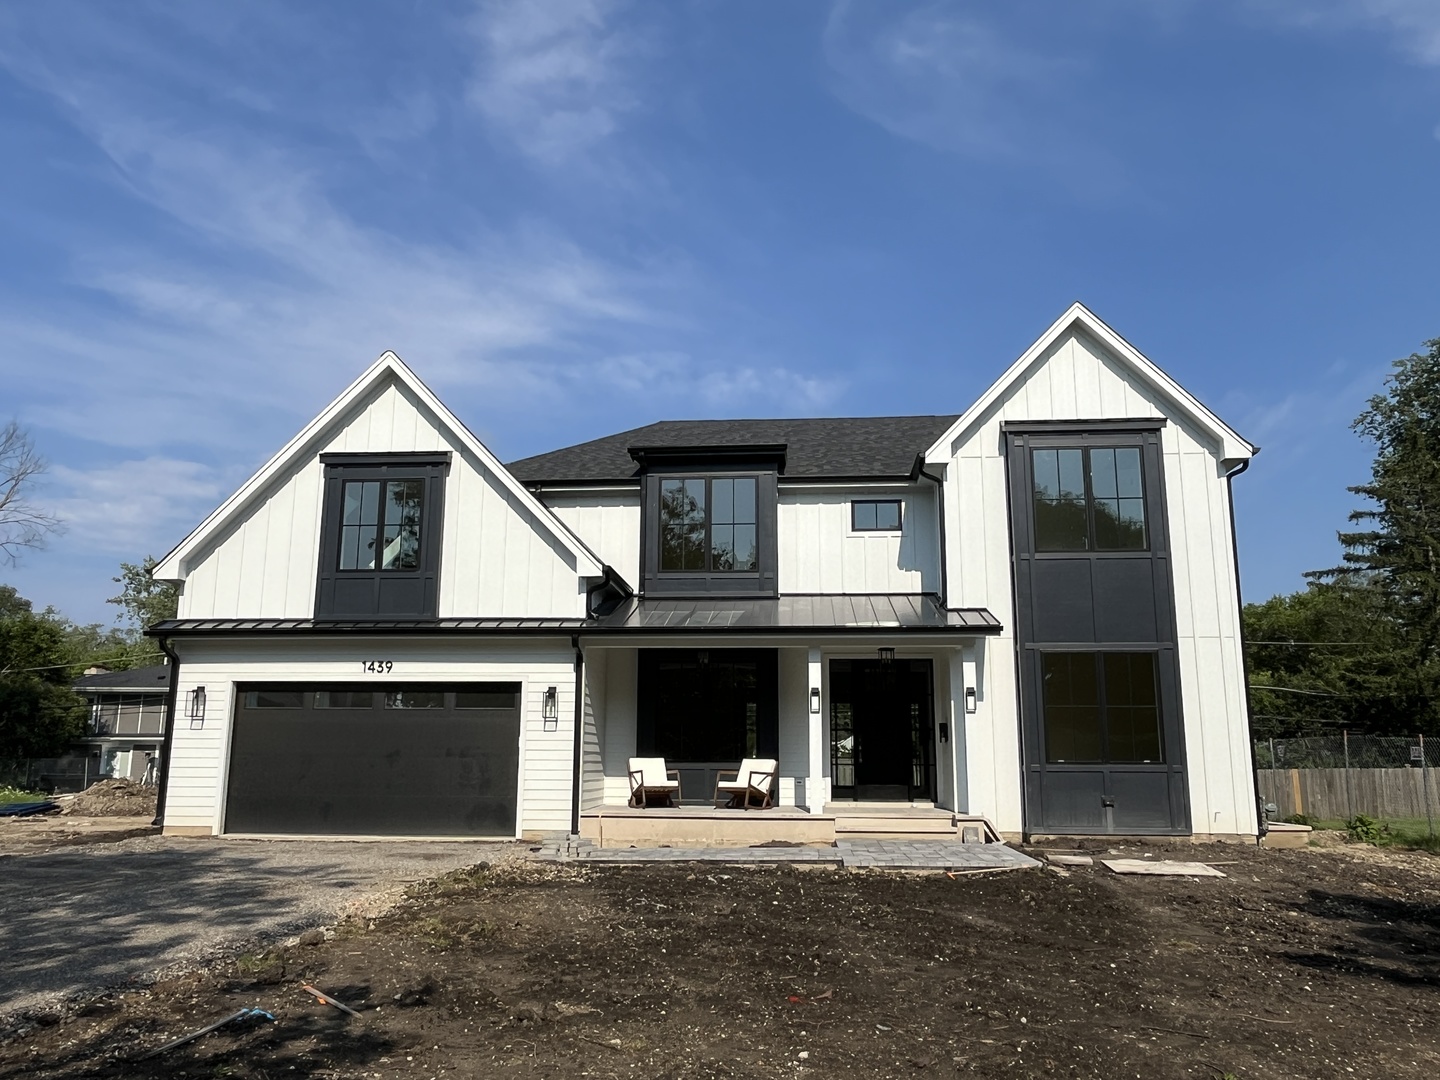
814, 699
195, 707
969, 699
887, 655
550, 711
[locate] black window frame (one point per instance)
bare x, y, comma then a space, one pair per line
710, 524
760, 582
1085, 449
1099, 659
855, 525
398, 593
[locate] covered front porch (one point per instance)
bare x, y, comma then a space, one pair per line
865, 720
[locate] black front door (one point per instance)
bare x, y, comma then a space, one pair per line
882, 743
1099, 690
703, 710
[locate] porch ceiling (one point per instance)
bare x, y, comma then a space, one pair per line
904, 612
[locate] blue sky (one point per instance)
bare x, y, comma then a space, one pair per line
578, 216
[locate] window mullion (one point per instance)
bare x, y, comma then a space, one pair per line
709, 504
1103, 698
1091, 540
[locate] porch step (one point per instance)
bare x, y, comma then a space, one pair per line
870, 824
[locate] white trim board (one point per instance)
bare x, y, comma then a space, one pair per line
1231, 446
173, 567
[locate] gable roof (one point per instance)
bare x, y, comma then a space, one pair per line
864, 447
308, 442
1232, 447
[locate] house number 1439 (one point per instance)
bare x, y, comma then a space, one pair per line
377, 667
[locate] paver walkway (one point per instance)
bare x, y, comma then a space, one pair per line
872, 854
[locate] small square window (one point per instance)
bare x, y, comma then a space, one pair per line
274, 699
344, 699
414, 699
875, 515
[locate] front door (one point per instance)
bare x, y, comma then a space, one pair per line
882, 743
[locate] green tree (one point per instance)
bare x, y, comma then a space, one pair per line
146, 601
39, 714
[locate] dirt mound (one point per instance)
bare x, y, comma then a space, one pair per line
113, 798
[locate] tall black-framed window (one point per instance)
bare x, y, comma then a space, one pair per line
709, 525
1089, 498
1101, 707
380, 540
875, 515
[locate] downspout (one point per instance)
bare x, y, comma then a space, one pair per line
1262, 825
171, 697
940, 517
579, 734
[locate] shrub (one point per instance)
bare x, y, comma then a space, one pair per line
1366, 830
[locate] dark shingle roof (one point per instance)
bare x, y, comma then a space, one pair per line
858, 447
155, 678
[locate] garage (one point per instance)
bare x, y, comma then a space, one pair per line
367, 760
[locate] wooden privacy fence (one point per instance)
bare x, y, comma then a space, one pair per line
1343, 793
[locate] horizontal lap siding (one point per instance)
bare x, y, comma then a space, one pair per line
497, 558
196, 782
1078, 380
820, 553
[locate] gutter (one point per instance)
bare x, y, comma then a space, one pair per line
1261, 824
579, 735
163, 782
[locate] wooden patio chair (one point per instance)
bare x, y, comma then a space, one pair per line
755, 780
650, 778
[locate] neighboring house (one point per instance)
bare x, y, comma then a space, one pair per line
1026, 611
127, 721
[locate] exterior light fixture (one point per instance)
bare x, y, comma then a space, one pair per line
814, 699
969, 699
887, 655
550, 712
195, 707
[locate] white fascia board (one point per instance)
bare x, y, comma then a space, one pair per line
1230, 445
173, 566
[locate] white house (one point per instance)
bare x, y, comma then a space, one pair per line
1026, 612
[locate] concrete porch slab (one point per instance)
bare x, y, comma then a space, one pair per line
851, 854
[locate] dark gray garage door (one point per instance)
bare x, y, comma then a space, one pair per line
397, 760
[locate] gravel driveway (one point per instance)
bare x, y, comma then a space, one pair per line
105, 914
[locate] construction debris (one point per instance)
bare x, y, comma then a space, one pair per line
326, 999
113, 798
232, 1018
1161, 867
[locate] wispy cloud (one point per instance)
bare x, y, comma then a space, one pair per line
553, 78
132, 507
1412, 26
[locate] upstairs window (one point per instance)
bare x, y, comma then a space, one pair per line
380, 546
875, 515
1089, 499
380, 522
709, 525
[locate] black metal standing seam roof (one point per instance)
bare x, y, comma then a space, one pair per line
904, 612
855, 447
155, 679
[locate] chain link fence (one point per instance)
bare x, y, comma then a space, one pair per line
52, 776
1334, 779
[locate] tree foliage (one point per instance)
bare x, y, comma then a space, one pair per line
1364, 638
39, 714
23, 524
146, 601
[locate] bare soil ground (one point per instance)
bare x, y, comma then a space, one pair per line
1321, 962
112, 798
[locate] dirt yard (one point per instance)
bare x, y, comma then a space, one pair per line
1311, 963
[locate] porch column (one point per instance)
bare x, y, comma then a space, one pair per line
814, 711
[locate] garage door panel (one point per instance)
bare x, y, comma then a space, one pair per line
377, 771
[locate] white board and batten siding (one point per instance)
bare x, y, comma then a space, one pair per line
1077, 379
497, 560
199, 757
819, 552
608, 522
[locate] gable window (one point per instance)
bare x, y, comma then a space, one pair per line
380, 544
709, 525
381, 518
1089, 499
875, 515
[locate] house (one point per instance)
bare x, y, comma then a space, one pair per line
127, 722
1025, 612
